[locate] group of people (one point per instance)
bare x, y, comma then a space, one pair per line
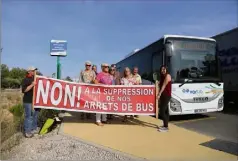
108, 76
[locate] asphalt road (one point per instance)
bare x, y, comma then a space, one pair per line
223, 127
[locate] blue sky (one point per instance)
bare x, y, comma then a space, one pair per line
102, 30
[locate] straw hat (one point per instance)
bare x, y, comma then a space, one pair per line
31, 68
105, 65
88, 63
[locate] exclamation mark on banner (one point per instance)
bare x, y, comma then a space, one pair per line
79, 93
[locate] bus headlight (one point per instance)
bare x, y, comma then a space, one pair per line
220, 102
175, 105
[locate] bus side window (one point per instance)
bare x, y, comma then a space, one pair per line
157, 61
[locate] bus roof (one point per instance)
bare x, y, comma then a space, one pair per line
188, 37
168, 36
226, 32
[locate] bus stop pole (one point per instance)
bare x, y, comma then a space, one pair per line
58, 68
59, 77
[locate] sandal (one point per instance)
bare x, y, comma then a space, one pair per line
99, 123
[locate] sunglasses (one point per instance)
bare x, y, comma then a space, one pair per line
105, 66
88, 65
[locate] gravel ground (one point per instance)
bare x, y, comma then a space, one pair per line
58, 147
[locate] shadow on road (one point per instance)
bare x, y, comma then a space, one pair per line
188, 117
231, 111
117, 120
222, 145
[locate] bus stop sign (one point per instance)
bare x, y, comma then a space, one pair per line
58, 48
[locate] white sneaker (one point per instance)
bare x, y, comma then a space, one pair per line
163, 129
36, 131
159, 127
29, 135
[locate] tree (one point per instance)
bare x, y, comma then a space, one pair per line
5, 71
68, 79
4, 83
11, 83
17, 73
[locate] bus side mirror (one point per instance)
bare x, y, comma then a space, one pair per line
168, 48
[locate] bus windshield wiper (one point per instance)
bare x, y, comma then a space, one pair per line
185, 81
215, 81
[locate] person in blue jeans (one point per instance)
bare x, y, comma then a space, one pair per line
30, 114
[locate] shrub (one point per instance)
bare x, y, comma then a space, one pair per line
9, 128
18, 113
17, 110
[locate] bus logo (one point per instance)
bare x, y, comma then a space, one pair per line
200, 99
198, 92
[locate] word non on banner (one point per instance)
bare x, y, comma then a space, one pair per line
50, 93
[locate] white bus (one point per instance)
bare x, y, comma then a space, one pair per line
194, 67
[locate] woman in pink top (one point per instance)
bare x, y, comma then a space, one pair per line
103, 78
128, 80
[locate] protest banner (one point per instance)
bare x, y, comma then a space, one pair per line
57, 94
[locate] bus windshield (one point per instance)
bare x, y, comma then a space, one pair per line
193, 59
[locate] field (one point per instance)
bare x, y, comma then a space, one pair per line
9, 123
12, 113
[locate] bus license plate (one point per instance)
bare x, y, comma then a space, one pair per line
200, 110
